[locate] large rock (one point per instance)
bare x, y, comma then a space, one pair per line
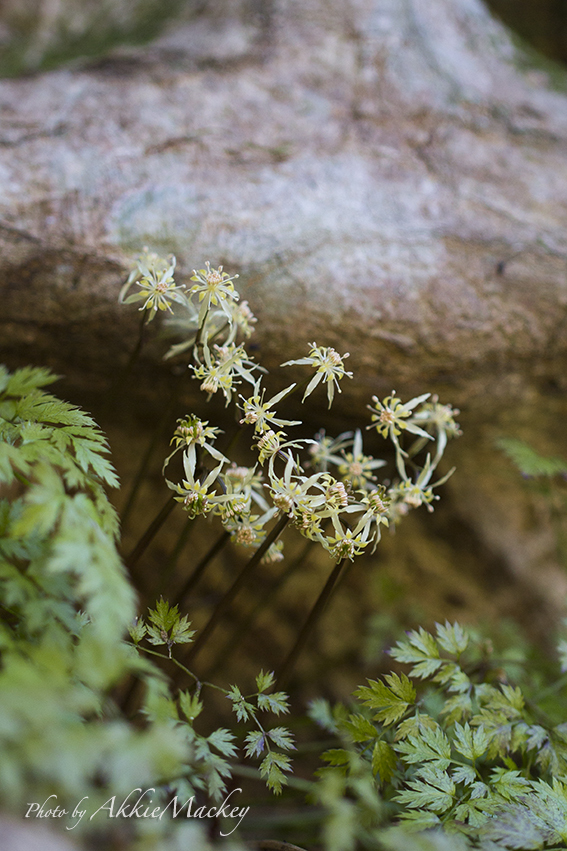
389, 155
385, 176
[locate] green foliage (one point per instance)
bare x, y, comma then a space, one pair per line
459, 751
529, 462
546, 479
167, 626
274, 764
66, 607
458, 748
66, 602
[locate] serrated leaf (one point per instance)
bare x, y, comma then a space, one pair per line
384, 761
402, 687
255, 743
276, 703
479, 790
393, 702
281, 737
419, 650
514, 697
164, 616
537, 736
23, 381
243, 709
359, 728
181, 632
336, 756
452, 638
156, 636
435, 794
190, 705
265, 681
464, 774
414, 725
222, 740
474, 813
529, 462
457, 708
430, 745
471, 743
272, 768
137, 630
509, 784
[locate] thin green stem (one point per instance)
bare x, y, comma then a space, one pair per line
234, 440
200, 333
22, 479
129, 697
182, 667
291, 781
139, 343
309, 625
219, 332
240, 580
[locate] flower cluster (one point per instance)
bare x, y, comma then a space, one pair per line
326, 486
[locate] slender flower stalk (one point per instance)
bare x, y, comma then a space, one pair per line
246, 620
165, 574
314, 616
240, 580
200, 568
146, 459
150, 534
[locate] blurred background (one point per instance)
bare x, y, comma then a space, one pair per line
252, 133
464, 561
42, 34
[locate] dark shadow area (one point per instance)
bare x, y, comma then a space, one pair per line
542, 23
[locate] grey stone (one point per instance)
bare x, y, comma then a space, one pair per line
387, 176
